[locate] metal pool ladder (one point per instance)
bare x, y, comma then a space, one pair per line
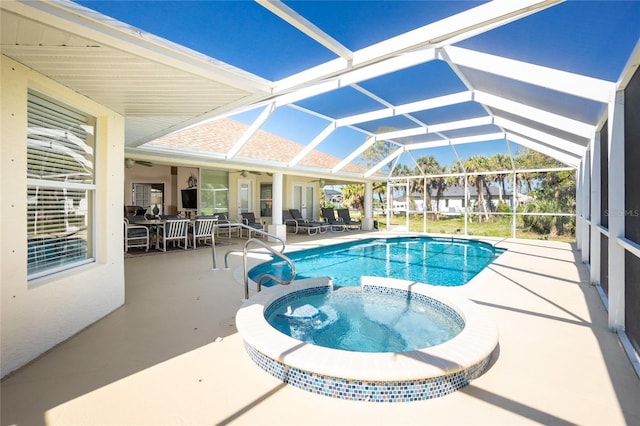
245, 251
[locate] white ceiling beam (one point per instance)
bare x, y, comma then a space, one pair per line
296, 20
414, 131
427, 145
460, 124
551, 140
437, 102
385, 161
423, 105
258, 122
337, 69
486, 137
460, 26
313, 144
560, 81
455, 141
365, 117
442, 127
306, 92
569, 125
545, 149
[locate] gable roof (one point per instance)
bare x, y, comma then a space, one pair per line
217, 137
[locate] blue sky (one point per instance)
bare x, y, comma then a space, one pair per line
244, 34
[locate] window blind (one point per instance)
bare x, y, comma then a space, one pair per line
60, 187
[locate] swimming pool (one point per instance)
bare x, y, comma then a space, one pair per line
430, 260
365, 321
413, 375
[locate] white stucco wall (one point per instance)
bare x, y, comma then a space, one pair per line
37, 315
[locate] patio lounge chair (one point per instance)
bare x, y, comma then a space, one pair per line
346, 218
298, 225
225, 225
172, 230
330, 216
249, 219
202, 229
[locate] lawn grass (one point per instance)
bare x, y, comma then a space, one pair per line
495, 227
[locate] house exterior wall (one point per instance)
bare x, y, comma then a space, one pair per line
154, 174
37, 315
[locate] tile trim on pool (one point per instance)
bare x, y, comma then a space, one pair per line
421, 374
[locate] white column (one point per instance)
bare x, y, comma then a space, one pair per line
578, 194
276, 227
367, 220
595, 209
616, 213
514, 195
466, 204
584, 229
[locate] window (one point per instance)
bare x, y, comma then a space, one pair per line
266, 201
214, 192
60, 187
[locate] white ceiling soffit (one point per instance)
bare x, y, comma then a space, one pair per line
157, 85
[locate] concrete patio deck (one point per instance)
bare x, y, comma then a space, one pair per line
171, 355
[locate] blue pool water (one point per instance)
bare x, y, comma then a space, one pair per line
364, 322
429, 260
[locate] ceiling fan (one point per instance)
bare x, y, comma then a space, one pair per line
129, 163
245, 173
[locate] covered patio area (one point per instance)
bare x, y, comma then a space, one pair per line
171, 354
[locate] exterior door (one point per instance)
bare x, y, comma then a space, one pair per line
304, 199
245, 196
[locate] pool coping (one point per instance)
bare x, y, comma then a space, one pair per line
472, 347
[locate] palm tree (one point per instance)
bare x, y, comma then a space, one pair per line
354, 196
500, 162
430, 166
478, 163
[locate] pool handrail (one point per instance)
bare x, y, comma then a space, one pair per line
239, 225
245, 251
265, 276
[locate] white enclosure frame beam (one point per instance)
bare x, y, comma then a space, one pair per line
585, 214
255, 126
387, 160
560, 81
568, 159
562, 145
454, 28
312, 145
423, 105
353, 155
596, 206
616, 215
570, 125
296, 20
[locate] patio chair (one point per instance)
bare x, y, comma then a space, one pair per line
201, 230
225, 225
174, 230
346, 218
298, 225
249, 219
335, 224
135, 236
